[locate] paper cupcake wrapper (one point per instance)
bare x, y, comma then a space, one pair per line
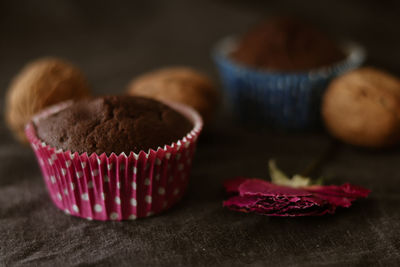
280, 100
116, 187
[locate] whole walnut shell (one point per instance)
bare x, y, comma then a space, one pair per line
179, 84
41, 83
362, 108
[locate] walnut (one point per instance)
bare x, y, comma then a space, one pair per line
362, 108
179, 84
41, 83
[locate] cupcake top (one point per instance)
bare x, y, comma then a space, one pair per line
113, 124
286, 44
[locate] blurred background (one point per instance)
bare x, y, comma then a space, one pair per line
112, 41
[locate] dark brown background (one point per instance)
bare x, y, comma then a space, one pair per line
113, 41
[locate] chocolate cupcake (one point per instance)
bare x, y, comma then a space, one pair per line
113, 124
276, 73
115, 157
286, 44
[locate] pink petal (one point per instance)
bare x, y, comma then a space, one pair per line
341, 196
238, 202
262, 197
279, 206
344, 190
258, 187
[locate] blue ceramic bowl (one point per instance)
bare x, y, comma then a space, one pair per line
288, 100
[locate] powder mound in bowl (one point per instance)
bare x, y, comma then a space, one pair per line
286, 44
113, 124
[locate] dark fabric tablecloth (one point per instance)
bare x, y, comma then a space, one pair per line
112, 42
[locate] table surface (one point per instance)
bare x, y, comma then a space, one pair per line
114, 42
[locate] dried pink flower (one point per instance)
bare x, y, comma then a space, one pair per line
260, 196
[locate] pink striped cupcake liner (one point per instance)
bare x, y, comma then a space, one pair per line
116, 187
